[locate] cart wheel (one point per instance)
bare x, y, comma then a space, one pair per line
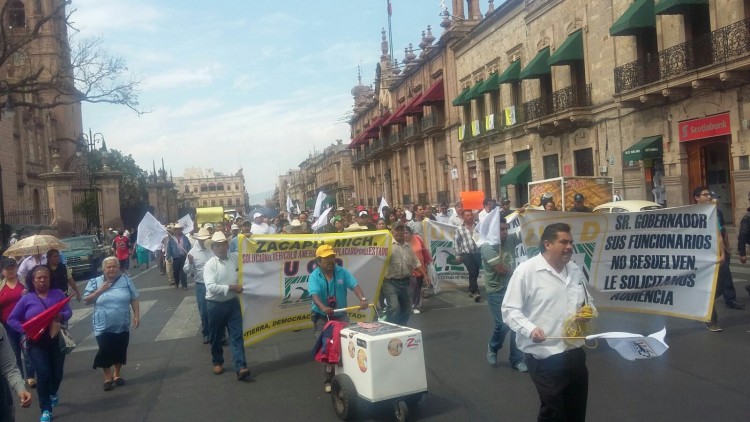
401, 410
413, 399
344, 397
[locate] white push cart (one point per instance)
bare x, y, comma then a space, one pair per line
380, 362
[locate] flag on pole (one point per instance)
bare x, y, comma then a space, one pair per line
319, 204
489, 228
390, 9
383, 204
635, 346
322, 221
150, 232
187, 224
289, 204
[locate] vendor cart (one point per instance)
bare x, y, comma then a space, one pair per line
380, 362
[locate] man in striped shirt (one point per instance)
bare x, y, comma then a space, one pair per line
467, 248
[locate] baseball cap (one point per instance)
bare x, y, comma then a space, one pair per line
257, 214
8, 262
362, 213
578, 197
324, 251
208, 226
235, 227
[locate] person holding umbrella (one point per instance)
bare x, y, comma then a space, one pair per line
45, 351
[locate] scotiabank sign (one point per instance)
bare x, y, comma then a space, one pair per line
707, 127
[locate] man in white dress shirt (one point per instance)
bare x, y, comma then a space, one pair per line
223, 307
197, 259
543, 292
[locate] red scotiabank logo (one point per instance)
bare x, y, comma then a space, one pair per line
707, 127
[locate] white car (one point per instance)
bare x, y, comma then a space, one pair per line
628, 206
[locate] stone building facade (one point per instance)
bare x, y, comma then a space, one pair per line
200, 188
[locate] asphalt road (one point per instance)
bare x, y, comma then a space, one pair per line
703, 376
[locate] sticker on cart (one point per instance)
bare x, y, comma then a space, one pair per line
351, 349
395, 347
362, 360
413, 343
361, 343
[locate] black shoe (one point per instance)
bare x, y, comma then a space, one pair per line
748, 289
735, 305
205, 340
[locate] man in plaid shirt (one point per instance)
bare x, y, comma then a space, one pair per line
468, 250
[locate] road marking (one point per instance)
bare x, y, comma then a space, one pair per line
89, 343
79, 314
184, 322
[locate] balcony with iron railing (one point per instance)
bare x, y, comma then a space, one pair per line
537, 108
412, 130
573, 96
394, 138
433, 121
719, 47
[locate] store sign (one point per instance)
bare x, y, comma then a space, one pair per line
708, 127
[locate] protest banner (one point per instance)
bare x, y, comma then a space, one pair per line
660, 262
273, 270
439, 239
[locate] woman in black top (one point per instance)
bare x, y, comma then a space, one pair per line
59, 277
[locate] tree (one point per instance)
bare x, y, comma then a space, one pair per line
61, 76
133, 192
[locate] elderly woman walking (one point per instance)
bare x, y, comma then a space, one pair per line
45, 353
113, 295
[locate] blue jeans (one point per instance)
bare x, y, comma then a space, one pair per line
48, 362
494, 300
24, 364
396, 294
200, 297
226, 314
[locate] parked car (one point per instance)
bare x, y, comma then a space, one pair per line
85, 255
633, 205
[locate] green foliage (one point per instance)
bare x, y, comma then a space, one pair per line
133, 192
88, 207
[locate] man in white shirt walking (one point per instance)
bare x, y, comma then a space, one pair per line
259, 225
197, 259
542, 294
223, 307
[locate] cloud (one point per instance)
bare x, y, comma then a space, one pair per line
95, 17
182, 77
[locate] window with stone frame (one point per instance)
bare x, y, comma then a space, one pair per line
551, 165
584, 162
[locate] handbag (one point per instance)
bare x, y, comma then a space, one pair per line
66, 342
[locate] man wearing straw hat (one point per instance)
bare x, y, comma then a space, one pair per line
197, 258
177, 250
223, 307
547, 297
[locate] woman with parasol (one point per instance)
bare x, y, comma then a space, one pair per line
44, 349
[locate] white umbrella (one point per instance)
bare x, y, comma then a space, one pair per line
37, 244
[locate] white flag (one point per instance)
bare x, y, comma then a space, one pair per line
489, 229
289, 204
383, 204
187, 224
634, 346
150, 233
319, 204
322, 221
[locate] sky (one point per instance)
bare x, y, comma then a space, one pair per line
252, 84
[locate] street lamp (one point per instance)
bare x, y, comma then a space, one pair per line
86, 183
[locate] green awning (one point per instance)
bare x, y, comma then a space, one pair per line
640, 15
677, 7
329, 201
474, 91
569, 52
491, 84
538, 66
461, 99
645, 149
520, 174
511, 74
310, 203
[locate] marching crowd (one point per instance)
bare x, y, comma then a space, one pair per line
31, 285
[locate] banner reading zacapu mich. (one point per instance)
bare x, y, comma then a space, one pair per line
273, 270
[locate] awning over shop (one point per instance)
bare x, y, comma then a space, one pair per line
520, 174
538, 66
474, 92
373, 131
396, 117
434, 94
491, 84
569, 52
639, 16
461, 99
646, 148
413, 107
677, 7
511, 74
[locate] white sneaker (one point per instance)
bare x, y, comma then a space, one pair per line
416, 311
